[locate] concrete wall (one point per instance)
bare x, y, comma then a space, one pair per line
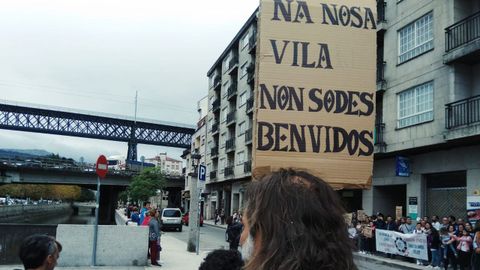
117, 245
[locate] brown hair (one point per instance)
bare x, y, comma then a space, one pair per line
300, 221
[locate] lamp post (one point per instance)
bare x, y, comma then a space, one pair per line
193, 216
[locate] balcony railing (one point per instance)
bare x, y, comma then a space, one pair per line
249, 107
463, 112
248, 136
232, 91
230, 144
381, 71
213, 175
232, 65
381, 7
214, 128
230, 118
216, 81
252, 43
216, 105
214, 152
462, 32
247, 166
228, 171
378, 134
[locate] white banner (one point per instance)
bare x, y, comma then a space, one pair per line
408, 245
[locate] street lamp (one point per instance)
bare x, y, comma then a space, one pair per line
193, 241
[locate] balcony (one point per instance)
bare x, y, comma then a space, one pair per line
232, 65
229, 171
462, 41
378, 141
462, 118
217, 82
230, 145
214, 152
213, 175
251, 78
216, 105
249, 107
232, 91
381, 82
214, 128
231, 117
248, 137
247, 167
381, 19
252, 44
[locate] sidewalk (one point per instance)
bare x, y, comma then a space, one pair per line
211, 222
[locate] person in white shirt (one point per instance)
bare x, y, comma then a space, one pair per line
435, 223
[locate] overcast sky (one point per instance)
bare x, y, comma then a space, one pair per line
94, 54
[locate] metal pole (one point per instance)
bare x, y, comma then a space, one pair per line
198, 219
95, 230
193, 216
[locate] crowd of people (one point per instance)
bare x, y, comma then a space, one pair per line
451, 241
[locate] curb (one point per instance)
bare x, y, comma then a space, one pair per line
217, 226
380, 261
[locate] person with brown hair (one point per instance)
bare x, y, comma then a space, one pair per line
40, 252
294, 220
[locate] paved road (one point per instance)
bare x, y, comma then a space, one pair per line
211, 238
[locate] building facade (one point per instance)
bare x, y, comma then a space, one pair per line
427, 137
169, 166
229, 122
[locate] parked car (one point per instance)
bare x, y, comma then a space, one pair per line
185, 219
171, 218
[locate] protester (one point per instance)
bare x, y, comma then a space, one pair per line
407, 227
434, 245
464, 249
144, 211
146, 219
221, 259
40, 252
391, 225
476, 247
435, 222
154, 236
419, 230
301, 217
449, 252
234, 229
222, 216
135, 216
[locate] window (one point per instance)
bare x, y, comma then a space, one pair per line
210, 80
222, 165
243, 70
415, 38
240, 158
241, 128
415, 105
225, 62
245, 40
224, 114
223, 140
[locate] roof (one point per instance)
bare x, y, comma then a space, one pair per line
240, 33
172, 159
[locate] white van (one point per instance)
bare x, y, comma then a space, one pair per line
171, 218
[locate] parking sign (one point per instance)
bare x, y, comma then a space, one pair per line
202, 172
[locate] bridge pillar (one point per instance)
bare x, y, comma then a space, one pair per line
108, 204
174, 197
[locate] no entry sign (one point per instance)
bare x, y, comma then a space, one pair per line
102, 166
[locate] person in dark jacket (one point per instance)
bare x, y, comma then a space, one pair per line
380, 222
154, 236
234, 229
391, 225
434, 244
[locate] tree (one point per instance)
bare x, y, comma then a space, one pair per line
146, 184
86, 195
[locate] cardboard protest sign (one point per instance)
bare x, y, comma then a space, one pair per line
409, 245
398, 212
315, 89
368, 232
348, 218
361, 215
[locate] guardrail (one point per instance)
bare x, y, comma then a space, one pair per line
462, 32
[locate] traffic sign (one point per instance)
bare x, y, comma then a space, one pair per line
101, 166
202, 172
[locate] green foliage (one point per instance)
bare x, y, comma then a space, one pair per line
86, 195
146, 184
35, 192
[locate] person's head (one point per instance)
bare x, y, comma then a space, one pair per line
452, 219
146, 204
152, 212
408, 220
461, 227
222, 259
443, 230
229, 220
380, 216
468, 226
460, 221
418, 226
403, 220
451, 228
445, 220
425, 219
434, 218
135, 209
389, 218
464, 233
294, 220
428, 226
40, 252
422, 223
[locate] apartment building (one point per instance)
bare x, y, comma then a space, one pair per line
168, 165
229, 122
427, 157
